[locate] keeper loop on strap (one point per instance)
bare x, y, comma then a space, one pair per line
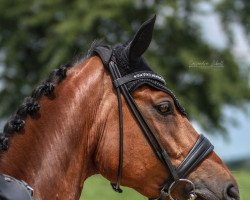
116, 188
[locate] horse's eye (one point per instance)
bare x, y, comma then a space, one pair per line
164, 108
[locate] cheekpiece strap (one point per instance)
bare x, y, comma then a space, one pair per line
138, 75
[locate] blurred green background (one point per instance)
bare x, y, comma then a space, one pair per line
201, 47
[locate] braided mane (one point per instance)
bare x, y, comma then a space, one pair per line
31, 105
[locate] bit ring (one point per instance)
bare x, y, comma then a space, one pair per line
192, 194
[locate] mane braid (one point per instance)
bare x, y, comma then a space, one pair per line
31, 106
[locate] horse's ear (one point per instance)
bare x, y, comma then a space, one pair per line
141, 40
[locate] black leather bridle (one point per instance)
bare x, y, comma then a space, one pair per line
197, 154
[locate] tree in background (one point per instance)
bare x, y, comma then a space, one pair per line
37, 36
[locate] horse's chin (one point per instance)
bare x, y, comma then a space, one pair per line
205, 194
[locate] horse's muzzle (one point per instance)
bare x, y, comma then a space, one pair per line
230, 192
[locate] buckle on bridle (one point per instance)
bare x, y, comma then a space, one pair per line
192, 195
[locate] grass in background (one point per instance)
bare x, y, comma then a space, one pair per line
98, 188
243, 179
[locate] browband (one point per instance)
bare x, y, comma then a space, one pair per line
138, 76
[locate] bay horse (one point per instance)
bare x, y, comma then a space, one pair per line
72, 126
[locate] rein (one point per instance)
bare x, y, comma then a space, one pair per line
197, 154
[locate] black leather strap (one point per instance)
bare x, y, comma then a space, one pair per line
116, 186
199, 152
201, 149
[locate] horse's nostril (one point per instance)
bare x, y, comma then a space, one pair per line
231, 192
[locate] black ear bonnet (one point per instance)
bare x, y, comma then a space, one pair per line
129, 60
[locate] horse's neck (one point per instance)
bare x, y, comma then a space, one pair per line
54, 152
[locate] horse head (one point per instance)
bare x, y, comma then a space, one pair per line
142, 168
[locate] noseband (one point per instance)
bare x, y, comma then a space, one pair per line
124, 85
